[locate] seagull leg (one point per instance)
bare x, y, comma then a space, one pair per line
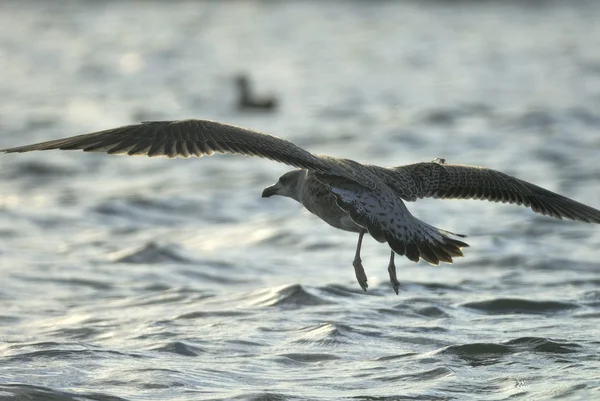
392, 272
361, 276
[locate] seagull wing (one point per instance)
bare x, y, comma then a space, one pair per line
387, 219
199, 138
453, 181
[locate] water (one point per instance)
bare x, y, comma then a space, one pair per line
139, 279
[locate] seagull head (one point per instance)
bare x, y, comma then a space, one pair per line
290, 184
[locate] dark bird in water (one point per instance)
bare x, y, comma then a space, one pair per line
347, 195
248, 101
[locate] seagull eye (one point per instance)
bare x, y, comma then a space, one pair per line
283, 180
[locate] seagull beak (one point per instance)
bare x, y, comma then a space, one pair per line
270, 191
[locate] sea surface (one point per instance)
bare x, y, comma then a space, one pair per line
129, 278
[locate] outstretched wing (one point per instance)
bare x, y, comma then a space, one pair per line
199, 138
453, 181
387, 219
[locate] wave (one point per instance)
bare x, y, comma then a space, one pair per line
180, 348
504, 306
152, 253
29, 392
478, 354
293, 295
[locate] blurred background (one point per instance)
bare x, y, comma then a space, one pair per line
135, 278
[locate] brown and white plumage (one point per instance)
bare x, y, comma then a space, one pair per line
344, 193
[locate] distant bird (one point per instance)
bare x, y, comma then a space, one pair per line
345, 194
248, 101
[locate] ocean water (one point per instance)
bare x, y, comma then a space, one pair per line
127, 278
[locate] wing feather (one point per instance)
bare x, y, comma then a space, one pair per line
199, 138
454, 181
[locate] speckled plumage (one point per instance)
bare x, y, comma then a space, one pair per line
346, 194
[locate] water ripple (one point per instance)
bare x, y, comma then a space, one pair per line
29, 392
288, 296
306, 357
152, 253
504, 306
419, 376
544, 345
211, 314
266, 396
181, 348
478, 354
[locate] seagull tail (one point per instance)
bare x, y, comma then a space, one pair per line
430, 244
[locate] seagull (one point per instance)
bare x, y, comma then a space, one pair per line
346, 194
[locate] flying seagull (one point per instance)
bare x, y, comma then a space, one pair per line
345, 194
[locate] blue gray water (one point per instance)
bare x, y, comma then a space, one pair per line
151, 279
